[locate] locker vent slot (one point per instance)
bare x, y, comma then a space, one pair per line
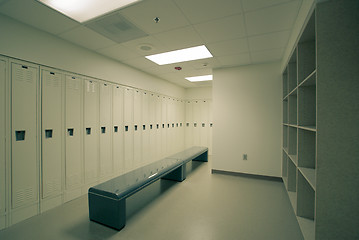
195, 124
48, 133
157, 126
126, 128
115, 128
203, 124
211, 125
70, 132
150, 126
143, 127
24, 196
103, 129
20, 135
135, 127
187, 124
88, 131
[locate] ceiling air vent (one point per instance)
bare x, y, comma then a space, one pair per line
116, 27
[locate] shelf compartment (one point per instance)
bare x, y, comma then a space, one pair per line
285, 83
292, 177
292, 72
307, 226
285, 137
284, 164
307, 105
305, 198
309, 175
293, 200
306, 149
292, 110
292, 143
285, 111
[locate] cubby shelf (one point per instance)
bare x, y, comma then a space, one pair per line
308, 228
309, 175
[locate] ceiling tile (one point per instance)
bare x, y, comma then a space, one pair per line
230, 47
250, 5
143, 13
118, 52
180, 38
38, 16
222, 29
198, 11
269, 41
267, 55
140, 63
273, 19
235, 60
87, 38
149, 41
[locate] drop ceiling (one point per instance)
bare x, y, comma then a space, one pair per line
236, 32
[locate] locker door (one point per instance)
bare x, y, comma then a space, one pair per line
181, 120
128, 128
164, 127
52, 133
169, 126
117, 137
204, 123
189, 124
210, 143
73, 123
106, 163
145, 128
25, 180
3, 115
196, 123
158, 151
91, 134
137, 138
152, 131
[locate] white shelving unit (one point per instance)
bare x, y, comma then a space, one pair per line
320, 123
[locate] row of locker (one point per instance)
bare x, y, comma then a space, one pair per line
69, 132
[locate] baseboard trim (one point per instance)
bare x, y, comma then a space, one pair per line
248, 175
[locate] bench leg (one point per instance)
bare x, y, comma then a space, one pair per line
107, 211
179, 174
202, 158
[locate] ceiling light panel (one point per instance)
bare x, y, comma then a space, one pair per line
84, 10
200, 78
182, 55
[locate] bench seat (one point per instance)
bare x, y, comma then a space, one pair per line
107, 201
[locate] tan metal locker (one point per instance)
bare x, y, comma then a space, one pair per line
145, 128
158, 120
204, 114
128, 128
189, 124
137, 137
117, 135
74, 135
196, 123
164, 127
3, 115
24, 162
169, 125
52, 133
91, 128
210, 133
152, 126
106, 161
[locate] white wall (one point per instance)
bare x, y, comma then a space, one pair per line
198, 93
247, 119
27, 43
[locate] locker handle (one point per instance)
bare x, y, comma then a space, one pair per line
157, 126
143, 127
103, 129
135, 127
195, 124
180, 124
52, 73
126, 128
25, 67
187, 124
48, 133
20, 135
88, 131
70, 131
163, 125
211, 125
173, 125
150, 126
168, 125
115, 128
203, 124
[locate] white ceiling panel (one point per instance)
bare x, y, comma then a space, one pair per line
230, 47
269, 41
267, 55
87, 38
140, 63
150, 42
235, 60
198, 11
250, 5
37, 15
278, 18
180, 38
143, 14
118, 52
222, 29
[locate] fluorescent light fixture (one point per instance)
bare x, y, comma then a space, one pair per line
182, 55
84, 10
200, 78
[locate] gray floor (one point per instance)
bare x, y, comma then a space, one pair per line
204, 206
